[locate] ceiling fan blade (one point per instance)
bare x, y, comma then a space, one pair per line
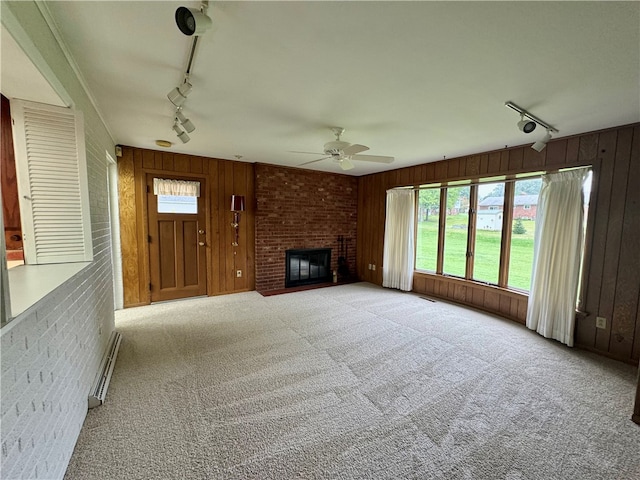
313, 161
345, 163
353, 149
373, 158
310, 153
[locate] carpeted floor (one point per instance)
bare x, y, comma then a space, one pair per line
353, 382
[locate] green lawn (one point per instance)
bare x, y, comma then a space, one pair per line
487, 251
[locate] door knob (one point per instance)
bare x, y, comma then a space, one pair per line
201, 232
201, 244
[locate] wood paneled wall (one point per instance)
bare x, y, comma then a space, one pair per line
10, 199
612, 263
224, 178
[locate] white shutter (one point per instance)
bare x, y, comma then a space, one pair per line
52, 183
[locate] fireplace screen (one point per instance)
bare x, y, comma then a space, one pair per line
308, 266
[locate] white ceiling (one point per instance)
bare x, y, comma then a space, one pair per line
22, 79
414, 80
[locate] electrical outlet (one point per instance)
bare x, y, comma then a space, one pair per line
238, 273
370, 267
601, 322
374, 266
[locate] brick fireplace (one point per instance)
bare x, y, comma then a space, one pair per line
301, 209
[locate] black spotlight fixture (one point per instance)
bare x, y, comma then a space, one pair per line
191, 21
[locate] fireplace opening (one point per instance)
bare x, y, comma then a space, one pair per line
308, 266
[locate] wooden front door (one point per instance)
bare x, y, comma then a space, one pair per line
177, 244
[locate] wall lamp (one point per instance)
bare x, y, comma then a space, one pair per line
528, 126
237, 206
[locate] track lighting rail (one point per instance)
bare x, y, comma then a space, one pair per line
194, 23
531, 117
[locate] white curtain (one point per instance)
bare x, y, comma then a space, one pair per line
180, 188
397, 265
556, 255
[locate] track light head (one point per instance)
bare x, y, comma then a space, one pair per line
541, 144
526, 126
182, 135
191, 21
184, 121
178, 95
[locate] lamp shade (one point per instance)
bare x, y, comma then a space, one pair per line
237, 203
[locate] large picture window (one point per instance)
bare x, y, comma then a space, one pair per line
483, 232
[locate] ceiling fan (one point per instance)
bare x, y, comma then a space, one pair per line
343, 152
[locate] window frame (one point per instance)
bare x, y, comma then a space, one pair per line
507, 220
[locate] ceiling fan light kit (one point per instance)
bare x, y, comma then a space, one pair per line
343, 152
528, 126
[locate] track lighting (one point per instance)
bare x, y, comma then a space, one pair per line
184, 121
178, 95
182, 135
526, 126
541, 144
191, 21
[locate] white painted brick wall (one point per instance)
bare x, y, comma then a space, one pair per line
51, 353
50, 356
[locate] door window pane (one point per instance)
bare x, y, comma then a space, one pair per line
456, 231
177, 204
427, 239
525, 206
486, 254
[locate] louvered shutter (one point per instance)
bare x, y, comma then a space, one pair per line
52, 183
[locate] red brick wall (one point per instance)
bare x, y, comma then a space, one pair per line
299, 208
520, 212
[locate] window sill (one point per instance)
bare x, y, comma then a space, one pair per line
28, 284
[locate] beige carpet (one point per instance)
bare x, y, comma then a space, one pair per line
348, 382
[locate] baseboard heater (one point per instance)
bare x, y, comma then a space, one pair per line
99, 390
